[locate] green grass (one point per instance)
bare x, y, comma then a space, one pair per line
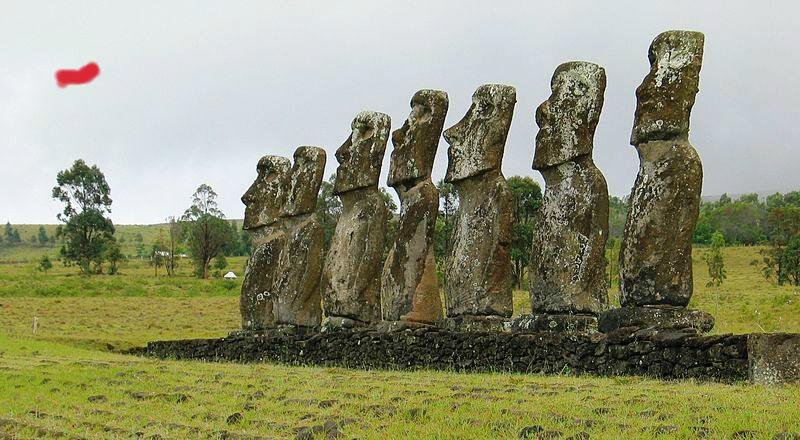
66, 378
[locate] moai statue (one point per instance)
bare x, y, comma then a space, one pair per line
297, 276
656, 252
263, 200
478, 278
409, 287
351, 278
567, 270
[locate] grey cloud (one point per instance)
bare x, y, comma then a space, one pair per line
193, 92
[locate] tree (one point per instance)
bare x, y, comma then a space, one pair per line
715, 261
45, 264
443, 232
86, 196
392, 221
42, 237
207, 231
175, 233
617, 214
781, 260
157, 257
220, 263
527, 196
329, 207
114, 256
12, 235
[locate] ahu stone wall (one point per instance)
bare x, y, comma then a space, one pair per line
628, 351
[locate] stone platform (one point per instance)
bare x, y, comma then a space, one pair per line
628, 351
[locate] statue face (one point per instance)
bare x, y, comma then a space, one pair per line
266, 196
477, 141
361, 154
304, 181
416, 141
666, 96
568, 119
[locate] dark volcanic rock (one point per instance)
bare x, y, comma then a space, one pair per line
663, 317
263, 200
554, 322
567, 273
663, 354
297, 276
655, 258
409, 286
479, 267
774, 358
351, 275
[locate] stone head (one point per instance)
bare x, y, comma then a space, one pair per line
266, 196
361, 154
666, 96
477, 141
302, 186
568, 118
416, 141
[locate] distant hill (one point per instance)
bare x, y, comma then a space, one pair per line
761, 195
127, 235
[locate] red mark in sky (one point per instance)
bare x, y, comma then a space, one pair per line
83, 75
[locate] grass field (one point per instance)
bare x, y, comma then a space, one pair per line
66, 379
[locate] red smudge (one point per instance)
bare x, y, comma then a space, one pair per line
83, 75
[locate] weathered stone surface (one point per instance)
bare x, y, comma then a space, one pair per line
479, 267
361, 155
306, 177
297, 276
655, 258
478, 140
475, 323
660, 317
666, 96
662, 354
409, 286
266, 196
351, 275
264, 201
415, 143
258, 294
774, 358
567, 273
554, 322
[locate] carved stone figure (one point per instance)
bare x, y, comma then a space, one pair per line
409, 286
478, 279
567, 270
297, 276
656, 252
351, 276
263, 200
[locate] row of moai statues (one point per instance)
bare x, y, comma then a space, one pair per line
287, 282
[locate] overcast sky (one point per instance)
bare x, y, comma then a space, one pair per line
195, 92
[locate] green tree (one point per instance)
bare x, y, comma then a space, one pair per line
114, 256
617, 214
392, 221
443, 232
207, 230
45, 264
781, 260
715, 261
42, 237
220, 263
175, 234
527, 199
329, 207
12, 235
86, 231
